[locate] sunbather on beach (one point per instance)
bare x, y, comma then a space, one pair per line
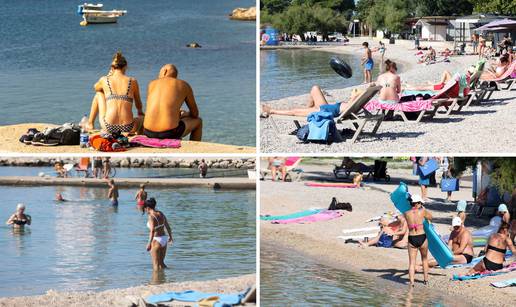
429, 56
113, 101
445, 77
498, 71
19, 219
495, 249
367, 62
158, 240
503, 212
389, 237
113, 193
391, 84
417, 236
277, 164
165, 119
316, 102
460, 243
141, 197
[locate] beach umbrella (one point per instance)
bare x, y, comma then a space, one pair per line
341, 67
497, 24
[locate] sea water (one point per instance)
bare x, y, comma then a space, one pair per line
49, 63
285, 73
86, 244
291, 278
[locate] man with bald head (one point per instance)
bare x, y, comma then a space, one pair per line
164, 118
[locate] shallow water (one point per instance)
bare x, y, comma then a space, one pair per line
287, 73
85, 244
49, 63
288, 277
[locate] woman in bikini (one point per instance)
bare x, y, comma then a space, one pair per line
495, 251
158, 240
498, 71
113, 101
391, 84
19, 219
316, 102
141, 197
417, 237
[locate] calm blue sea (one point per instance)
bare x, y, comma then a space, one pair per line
86, 244
49, 63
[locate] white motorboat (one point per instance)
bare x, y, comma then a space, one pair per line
94, 13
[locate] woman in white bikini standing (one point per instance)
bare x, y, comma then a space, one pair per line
158, 240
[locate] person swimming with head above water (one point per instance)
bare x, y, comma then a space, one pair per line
495, 249
19, 219
59, 197
165, 119
141, 196
113, 192
158, 240
113, 101
417, 236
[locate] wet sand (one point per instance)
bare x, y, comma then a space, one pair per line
319, 240
10, 144
128, 296
472, 123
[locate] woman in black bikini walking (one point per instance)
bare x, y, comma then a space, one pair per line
417, 236
495, 251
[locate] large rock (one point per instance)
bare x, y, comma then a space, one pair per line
243, 13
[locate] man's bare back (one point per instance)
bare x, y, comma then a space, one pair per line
164, 117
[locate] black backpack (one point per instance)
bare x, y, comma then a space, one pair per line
333, 134
66, 136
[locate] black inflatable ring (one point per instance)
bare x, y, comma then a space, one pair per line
341, 67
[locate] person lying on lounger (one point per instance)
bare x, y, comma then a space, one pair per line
387, 236
316, 102
391, 84
460, 243
498, 71
164, 118
495, 249
445, 77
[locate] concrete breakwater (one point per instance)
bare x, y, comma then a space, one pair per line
137, 162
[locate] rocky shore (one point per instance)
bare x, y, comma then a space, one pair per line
135, 162
246, 14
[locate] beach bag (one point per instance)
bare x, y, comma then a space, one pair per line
102, 144
67, 134
449, 184
302, 133
384, 241
429, 167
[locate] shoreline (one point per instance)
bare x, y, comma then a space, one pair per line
473, 123
319, 240
128, 296
11, 133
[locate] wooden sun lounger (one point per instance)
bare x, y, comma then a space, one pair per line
354, 114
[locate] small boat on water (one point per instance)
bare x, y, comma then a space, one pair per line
94, 13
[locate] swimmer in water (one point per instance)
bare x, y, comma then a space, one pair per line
19, 219
141, 197
59, 197
113, 193
158, 240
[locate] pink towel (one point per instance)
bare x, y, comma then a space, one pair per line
322, 216
409, 106
156, 143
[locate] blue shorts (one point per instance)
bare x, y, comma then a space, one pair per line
424, 180
332, 108
114, 202
369, 64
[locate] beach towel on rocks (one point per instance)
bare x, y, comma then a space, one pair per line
195, 296
155, 143
411, 106
511, 267
504, 283
318, 217
290, 216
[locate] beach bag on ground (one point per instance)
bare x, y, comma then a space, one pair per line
106, 145
302, 133
67, 134
449, 184
429, 167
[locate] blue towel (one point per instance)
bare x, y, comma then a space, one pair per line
195, 296
318, 123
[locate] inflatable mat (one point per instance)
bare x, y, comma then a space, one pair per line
290, 216
318, 217
331, 185
436, 246
511, 267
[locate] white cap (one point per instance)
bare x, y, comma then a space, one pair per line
20, 206
456, 221
502, 208
416, 198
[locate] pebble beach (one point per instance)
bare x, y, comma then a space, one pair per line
471, 130
319, 240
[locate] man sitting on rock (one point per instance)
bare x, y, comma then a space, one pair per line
164, 118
